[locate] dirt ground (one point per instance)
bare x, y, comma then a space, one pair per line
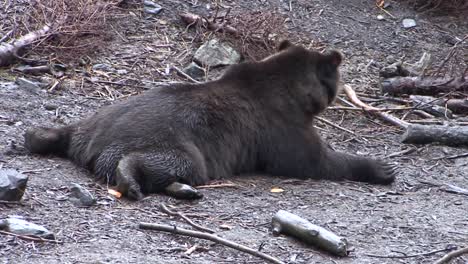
410, 219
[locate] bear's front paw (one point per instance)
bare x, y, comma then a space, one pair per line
373, 171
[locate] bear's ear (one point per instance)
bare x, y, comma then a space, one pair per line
334, 57
284, 44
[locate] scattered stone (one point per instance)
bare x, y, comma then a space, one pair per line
102, 67
25, 228
80, 196
408, 23
151, 7
380, 17
122, 71
12, 185
50, 107
30, 86
214, 53
194, 71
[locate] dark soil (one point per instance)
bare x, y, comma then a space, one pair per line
412, 217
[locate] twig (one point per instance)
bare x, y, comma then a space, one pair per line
360, 109
190, 222
30, 238
211, 237
191, 250
454, 189
335, 125
449, 248
457, 156
184, 74
387, 117
451, 255
219, 185
450, 54
401, 153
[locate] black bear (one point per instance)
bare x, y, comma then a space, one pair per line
256, 118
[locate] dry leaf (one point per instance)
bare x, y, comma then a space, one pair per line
276, 190
114, 193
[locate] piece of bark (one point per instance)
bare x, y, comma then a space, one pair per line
447, 135
10, 51
291, 224
423, 86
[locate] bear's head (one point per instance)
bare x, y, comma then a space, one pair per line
311, 77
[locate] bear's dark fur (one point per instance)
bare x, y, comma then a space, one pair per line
256, 118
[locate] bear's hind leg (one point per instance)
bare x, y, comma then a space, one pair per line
162, 171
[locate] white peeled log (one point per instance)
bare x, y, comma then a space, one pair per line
290, 224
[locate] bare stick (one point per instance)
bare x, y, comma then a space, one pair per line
190, 222
219, 185
387, 117
211, 237
184, 74
410, 256
335, 125
30, 238
451, 255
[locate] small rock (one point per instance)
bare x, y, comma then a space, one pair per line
122, 71
380, 17
102, 67
12, 185
22, 227
214, 53
151, 7
50, 107
80, 196
408, 23
194, 70
30, 86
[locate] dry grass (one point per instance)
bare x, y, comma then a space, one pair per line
78, 27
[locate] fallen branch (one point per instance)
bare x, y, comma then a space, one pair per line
387, 117
448, 248
291, 224
447, 135
190, 222
31, 238
11, 51
424, 86
211, 237
451, 255
196, 20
